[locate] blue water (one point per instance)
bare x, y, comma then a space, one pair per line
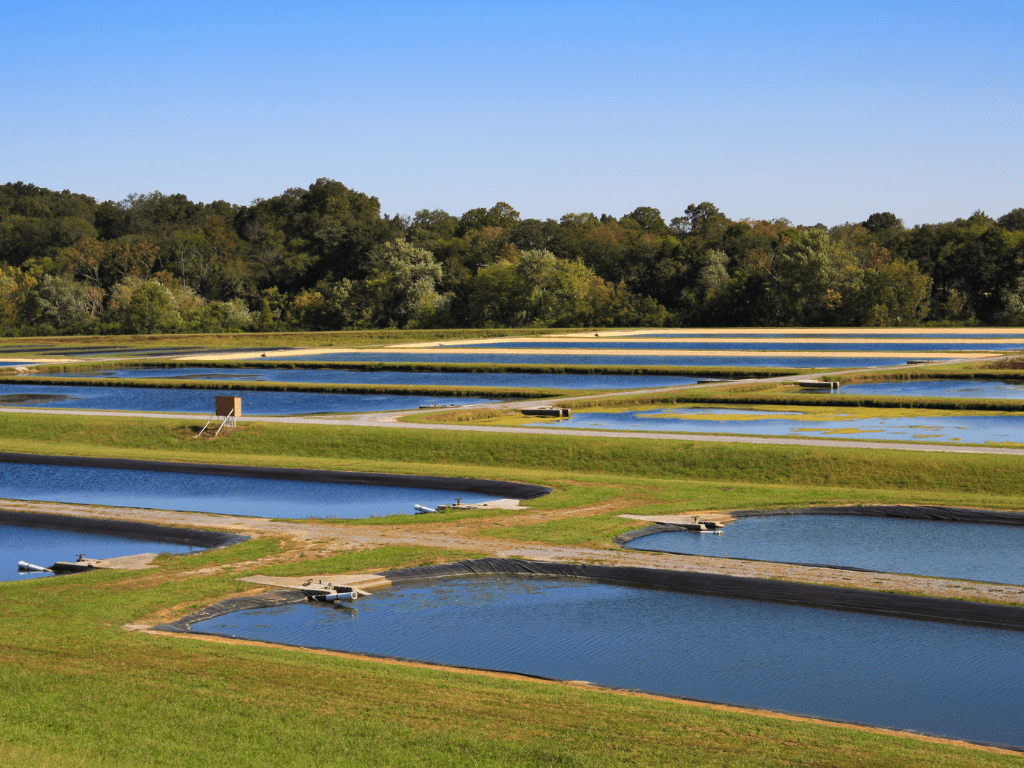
996, 390
831, 345
640, 360
254, 403
955, 681
966, 428
44, 547
925, 547
419, 378
254, 497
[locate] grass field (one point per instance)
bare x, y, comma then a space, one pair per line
76, 688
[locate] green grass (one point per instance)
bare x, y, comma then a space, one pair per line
78, 690
530, 458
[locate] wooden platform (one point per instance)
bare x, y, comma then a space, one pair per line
367, 581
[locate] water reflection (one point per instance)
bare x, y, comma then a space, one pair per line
923, 426
421, 378
253, 497
254, 403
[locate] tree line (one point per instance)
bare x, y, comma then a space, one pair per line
325, 258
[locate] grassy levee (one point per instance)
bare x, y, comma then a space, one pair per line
79, 690
199, 341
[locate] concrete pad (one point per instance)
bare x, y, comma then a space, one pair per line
670, 519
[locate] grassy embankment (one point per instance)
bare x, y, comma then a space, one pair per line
78, 690
75, 685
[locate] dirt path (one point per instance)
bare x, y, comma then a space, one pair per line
484, 537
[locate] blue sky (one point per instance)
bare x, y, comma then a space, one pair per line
815, 111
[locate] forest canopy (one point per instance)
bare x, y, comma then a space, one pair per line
326, 258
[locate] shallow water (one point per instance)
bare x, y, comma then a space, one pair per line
996, 390
698, 361
967, 428
253, 497
955, 681
925, 547
254, 403
44, 547
427, 378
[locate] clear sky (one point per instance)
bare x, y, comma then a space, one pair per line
815, 111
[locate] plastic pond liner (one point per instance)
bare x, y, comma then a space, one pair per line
945, 542
686, 635
237, 490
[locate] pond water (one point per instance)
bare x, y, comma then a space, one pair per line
44, 547
1015, 336
996, 390
638, 360
974, 551
966, 428
427, 378
253, 497
830, 345
955, 681
254, 403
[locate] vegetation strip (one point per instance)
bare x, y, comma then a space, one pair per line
127, 528
375, 366
501, 488
797, 593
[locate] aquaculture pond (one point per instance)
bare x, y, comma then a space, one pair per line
944, 679
254, 403
420, 378
253, 497
792, 345
975, 389
974, 551
564, 356
855, 333
45, 546
968, 427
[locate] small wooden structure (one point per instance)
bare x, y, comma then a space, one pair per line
555, 412
228, 406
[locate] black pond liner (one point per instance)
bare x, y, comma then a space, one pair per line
125, 528
900, 606
794, 593
500, 488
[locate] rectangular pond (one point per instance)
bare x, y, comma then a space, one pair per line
977, 389
217, 494
934, 426
419, 378
254, 403
45, 546
958, 550
949, 680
